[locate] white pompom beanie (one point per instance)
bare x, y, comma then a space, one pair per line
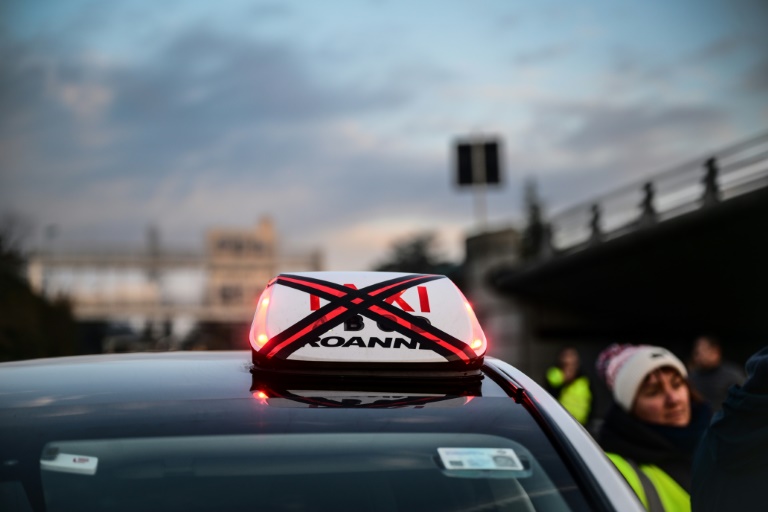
624, 367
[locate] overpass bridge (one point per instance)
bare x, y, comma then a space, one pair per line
662, 261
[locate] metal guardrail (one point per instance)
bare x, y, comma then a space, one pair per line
699, 183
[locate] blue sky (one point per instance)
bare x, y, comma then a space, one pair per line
337, 118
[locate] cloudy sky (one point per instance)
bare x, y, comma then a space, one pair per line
337, 118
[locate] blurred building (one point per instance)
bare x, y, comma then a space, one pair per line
239, 263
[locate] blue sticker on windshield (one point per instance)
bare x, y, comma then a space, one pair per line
498, 459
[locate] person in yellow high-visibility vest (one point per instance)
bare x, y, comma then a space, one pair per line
652, 430
570, 386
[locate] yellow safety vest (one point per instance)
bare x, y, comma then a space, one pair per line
673, 497
576, 396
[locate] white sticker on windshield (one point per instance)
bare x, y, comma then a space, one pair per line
503, 459
70, 463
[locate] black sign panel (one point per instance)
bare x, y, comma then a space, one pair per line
477, 163
464, 164
492, 163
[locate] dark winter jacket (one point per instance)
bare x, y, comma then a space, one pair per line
731, 464
714, 383
669, 448
663, 454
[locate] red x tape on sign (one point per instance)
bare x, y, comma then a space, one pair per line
375, 302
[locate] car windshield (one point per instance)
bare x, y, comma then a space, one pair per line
355, 472
303, 450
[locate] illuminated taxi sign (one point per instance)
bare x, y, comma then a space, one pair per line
365, 317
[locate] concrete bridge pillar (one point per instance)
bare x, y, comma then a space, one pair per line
499, 314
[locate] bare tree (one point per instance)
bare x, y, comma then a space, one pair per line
30, 324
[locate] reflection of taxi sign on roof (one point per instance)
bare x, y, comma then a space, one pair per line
352, 400
358, 319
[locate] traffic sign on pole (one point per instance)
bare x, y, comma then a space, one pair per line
478, 164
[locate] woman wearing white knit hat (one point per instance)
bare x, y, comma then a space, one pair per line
652, 431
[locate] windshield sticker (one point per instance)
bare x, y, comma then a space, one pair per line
499, 459
71, 463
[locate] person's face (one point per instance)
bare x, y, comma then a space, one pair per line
705, 355
663, 399
569, 363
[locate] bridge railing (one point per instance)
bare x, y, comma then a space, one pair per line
699, 183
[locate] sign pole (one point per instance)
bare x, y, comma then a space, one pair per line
478, 165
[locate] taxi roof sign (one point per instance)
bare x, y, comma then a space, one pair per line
358, 319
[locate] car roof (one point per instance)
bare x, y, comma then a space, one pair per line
221, 393
216, 393
115, 378
146, 376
